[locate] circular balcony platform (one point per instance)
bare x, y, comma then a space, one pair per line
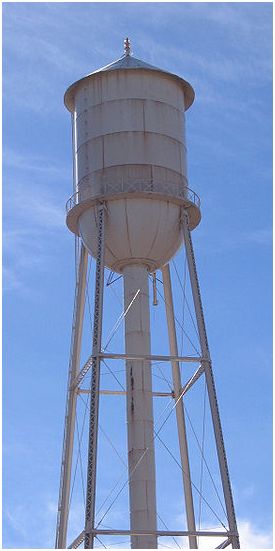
179, 194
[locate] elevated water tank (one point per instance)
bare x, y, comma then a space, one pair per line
130, 152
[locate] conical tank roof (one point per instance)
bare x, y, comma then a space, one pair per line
129, 63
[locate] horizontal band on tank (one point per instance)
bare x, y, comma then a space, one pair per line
128, 185
130, 148
132, 173
146, 132
120, 132
130, 114
77, 116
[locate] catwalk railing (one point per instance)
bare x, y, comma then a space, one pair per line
170, 189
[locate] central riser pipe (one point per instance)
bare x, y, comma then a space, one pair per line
140, 424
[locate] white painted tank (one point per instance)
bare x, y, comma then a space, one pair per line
130, 152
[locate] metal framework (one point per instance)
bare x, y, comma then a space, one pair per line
76, 376
161, 533
94, 401
66, 465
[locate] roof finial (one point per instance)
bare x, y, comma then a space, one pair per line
127, 46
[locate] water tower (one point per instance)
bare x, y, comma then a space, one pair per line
132, 209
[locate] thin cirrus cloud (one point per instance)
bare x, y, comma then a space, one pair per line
35, 207
228, 16
234, 240
222, 66
12, 159
34, 216
251, 536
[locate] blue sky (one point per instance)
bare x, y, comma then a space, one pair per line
224, 51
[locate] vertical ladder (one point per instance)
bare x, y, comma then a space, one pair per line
95, 380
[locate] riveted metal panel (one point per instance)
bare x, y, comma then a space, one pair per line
130, 114
128, 84
137, 230
137, 147
130, 140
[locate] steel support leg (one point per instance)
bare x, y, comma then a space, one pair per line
210, 383
66, 467
95, 379
189, 506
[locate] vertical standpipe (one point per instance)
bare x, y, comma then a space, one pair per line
141, 453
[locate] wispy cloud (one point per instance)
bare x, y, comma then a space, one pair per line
63, 58
51, 38
26, 253
32, 193
238, 26
249, 491
34, 163
251, 536
33, 206
260, 236
31, 527
234, 240
243, 238
34, 218
231, 17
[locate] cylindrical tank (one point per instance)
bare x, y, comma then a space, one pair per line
130, 152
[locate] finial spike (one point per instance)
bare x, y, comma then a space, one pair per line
127, 46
